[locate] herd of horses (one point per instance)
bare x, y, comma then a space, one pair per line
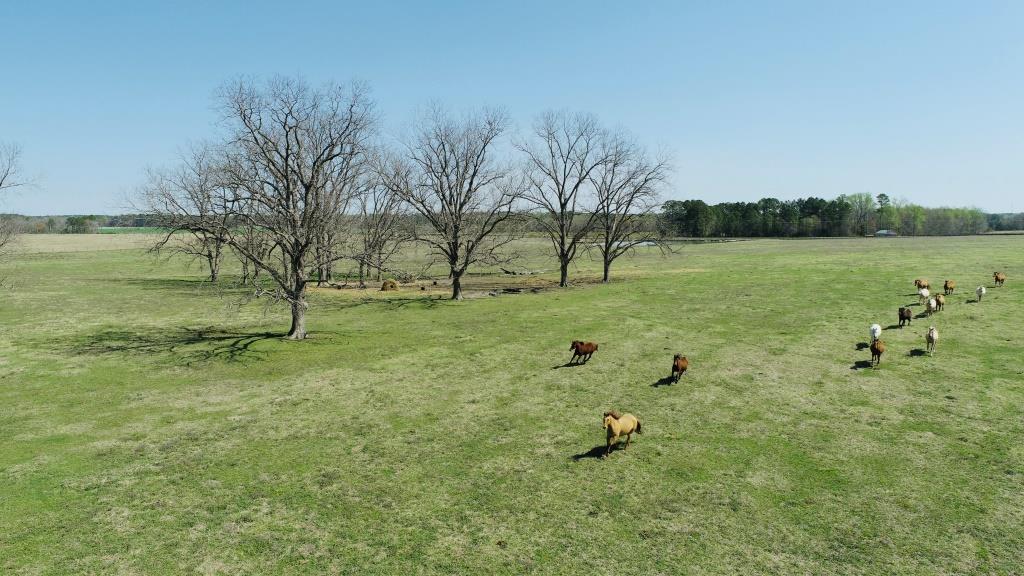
617, 425
932, 304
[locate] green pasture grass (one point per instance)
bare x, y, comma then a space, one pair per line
129, 230
152, 424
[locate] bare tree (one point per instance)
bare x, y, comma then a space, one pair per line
382, 225
452, 178
566, 151
287, 170
10, 178
627, 190
189, 197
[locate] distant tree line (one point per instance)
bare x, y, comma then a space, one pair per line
1006, 222
76, 224
847, 215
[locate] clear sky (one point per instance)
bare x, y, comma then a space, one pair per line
919, 100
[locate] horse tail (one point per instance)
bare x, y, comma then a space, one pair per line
638, 430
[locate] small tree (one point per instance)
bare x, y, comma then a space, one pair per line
451, 177
10, 178
627, 197
190, 198
382, 225
565, 151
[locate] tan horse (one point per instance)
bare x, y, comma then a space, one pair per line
616, 425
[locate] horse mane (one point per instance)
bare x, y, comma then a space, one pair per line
613, 413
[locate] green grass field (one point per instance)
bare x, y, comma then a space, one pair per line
151, 425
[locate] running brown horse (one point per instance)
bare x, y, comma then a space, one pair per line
582, 350
679, 365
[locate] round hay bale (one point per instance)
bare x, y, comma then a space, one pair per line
389, 285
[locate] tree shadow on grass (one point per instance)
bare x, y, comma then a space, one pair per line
923, 314
861, 364
892, 327
862, 345
188, 344
664, 381
424, 302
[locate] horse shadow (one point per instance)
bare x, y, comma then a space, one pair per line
568, 365
969, 301
597, 452
921, 315
917, 352
861, 364
664, 381
892, 327
862, 345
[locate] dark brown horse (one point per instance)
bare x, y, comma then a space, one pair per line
906, 315
679, 365
582, 350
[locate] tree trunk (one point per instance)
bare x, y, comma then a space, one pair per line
214, 264
607, 269
563, 280
298, 329
456, 285
298, 300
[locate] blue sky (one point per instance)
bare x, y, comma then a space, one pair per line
919, 100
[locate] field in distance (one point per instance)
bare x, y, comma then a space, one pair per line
151, 424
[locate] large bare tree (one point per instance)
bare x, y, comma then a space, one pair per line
562, 156
627, 185
288, 168
452, 177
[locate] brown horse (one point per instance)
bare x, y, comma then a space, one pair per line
877, 349
906, 315
679, 366
582, 350
999, 278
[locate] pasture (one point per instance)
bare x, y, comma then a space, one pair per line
151, 425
